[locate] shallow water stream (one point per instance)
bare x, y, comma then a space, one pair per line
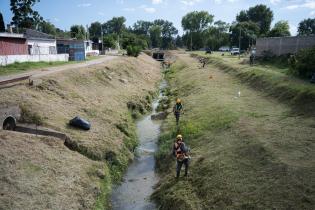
134, 192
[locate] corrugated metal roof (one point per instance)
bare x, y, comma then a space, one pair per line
33, 34
12, 35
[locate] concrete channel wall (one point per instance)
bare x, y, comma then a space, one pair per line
9, 59
284, 45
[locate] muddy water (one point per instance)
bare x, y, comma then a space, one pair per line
134, 192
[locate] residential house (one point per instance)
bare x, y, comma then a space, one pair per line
40, 43
89, 49
12, 44
75, 48
33, 46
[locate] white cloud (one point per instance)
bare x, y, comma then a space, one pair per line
221, 1
157, 1
309, 4
149, 10
190, 2
84, 5
56, 19
293, 30
275, 1
129, 9
312, 13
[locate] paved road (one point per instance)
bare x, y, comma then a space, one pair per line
49, 70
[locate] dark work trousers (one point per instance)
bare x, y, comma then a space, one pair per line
179, 167
177, 115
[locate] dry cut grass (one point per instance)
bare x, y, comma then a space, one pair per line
100, 94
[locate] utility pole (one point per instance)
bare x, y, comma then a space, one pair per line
87, 32
190, 41
102, 39
239, 44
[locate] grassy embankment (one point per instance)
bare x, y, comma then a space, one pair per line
110, 96
16, 68
273, 78
248, 152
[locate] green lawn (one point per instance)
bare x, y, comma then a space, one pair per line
16, 68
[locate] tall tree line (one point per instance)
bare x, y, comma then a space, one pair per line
200, 29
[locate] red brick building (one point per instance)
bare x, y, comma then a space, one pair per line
13, 44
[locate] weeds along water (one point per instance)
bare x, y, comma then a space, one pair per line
138, 182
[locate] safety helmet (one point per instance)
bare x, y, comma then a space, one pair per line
178, 100
179, 137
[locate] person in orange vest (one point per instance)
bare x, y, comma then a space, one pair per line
177, 109
180, 151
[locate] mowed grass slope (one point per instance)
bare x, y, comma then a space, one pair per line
273, 79
109, 96
248, 152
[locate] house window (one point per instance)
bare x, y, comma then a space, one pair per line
52, 50
30, 49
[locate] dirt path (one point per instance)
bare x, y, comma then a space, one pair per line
50, 70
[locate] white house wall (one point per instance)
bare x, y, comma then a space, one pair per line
42, 47
9, 59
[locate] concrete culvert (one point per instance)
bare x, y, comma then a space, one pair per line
9, 123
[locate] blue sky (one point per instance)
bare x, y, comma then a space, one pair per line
64, 13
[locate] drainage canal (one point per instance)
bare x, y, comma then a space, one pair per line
135, 191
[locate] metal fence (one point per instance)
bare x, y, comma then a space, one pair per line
283, 45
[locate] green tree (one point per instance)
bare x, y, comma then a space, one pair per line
242, 16
115, 25
179, 41
247, 31
142, 27
307, 27
222, 26
109, 41
131, 39
280, 29
259, 14
47, 27
217, 35
2, 27
95, 31
168, 31
196, 22
62, 34
155, 36
23, 14
78, 31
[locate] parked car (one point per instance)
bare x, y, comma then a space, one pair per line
224, 49
235, 51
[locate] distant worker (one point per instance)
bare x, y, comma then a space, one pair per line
177, 109
180, 151
251, 59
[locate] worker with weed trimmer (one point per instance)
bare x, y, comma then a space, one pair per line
180, 151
